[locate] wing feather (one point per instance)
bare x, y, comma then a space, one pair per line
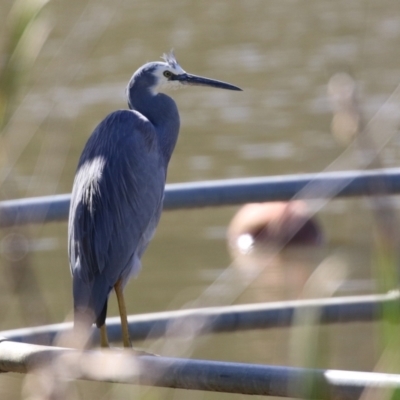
116, 202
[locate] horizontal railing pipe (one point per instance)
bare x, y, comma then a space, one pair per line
226, 319
115, 365
222, 193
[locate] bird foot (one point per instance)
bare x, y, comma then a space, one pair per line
141, 352
134, 350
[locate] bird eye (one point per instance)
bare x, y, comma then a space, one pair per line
167, 74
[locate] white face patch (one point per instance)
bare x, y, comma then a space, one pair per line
163, 83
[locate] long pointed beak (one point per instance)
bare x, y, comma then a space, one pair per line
194, 80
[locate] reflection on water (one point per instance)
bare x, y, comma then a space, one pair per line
282, 53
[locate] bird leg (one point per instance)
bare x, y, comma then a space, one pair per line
103, 336
122, 312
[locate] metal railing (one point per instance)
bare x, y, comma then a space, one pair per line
252, 379
225, 319
229, 377
18, 354
222, 193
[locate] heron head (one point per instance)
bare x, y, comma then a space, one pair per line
160, 76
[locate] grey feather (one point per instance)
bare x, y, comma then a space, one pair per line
115, 206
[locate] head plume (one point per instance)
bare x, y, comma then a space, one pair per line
170, 59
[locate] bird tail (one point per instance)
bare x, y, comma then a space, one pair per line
90, 301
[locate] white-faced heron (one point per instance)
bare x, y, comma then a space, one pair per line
118, 191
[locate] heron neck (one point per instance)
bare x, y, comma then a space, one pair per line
162, 112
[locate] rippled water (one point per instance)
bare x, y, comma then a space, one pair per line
282, 53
